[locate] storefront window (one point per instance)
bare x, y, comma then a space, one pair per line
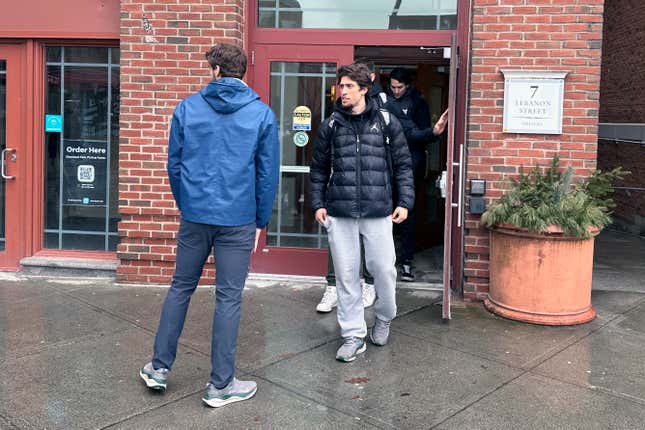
359, 14
81, 158
310, 88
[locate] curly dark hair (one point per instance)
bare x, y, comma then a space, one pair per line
230, 58
357, 72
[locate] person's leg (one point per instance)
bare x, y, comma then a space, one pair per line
408, 237
329, 299
369, 294
233, 247
194, 244
331, 275
344, 244
369, 279
380, 259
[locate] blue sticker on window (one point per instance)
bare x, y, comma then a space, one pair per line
54, 123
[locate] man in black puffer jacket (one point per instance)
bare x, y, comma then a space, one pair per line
360, 155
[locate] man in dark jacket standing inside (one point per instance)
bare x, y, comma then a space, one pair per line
410, 107
223, 165
359, 156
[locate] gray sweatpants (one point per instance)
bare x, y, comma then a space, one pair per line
344, 243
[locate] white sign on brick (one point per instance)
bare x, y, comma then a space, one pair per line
533, 101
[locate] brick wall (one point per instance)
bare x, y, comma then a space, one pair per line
622, 100
622, 88
162, 61
556, 35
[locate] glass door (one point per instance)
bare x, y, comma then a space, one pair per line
11, 156
299, 83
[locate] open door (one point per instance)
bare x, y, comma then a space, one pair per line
448, 182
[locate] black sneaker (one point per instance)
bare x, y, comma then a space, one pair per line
407, 274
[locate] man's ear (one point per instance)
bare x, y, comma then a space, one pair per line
216, 72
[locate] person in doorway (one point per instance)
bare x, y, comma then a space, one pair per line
359, 155
223, 166
409, 106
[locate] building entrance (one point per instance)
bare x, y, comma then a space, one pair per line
428, 70
294, 79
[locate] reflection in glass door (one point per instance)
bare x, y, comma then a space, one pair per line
3, 144
297, 85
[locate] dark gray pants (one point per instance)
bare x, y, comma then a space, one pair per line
232, 246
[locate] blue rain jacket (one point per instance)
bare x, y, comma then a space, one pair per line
224, 156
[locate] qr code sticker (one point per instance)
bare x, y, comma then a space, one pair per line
85, 173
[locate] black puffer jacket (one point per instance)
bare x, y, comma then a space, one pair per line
360, 185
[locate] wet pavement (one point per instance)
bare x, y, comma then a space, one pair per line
70, 352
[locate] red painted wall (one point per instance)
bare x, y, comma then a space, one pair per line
554, 35
96, 19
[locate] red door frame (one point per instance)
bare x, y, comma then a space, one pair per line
15, 189
37, 65
316, 42
27, 123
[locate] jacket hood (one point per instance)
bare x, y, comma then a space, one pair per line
228, 95
375, 90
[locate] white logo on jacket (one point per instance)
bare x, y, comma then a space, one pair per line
374, 127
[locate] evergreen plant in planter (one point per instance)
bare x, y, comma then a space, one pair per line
541, 244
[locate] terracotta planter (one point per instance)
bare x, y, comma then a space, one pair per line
542, 278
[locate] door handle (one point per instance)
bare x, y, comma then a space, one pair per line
441, 183
3, 162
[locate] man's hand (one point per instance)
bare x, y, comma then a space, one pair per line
400, 214
321, 216
257, 238
440, 126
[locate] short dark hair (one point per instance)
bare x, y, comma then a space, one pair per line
369, 63
401, 75
230, 58
357, 72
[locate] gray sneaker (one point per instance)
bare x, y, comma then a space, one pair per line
154, 378
380, 332
235, 391
351, 347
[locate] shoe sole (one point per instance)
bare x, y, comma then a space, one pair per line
325, 311
151, 383
407, 279
218, 403
352, 358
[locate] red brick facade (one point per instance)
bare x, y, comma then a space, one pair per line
162, 61
622, 100
622, 88
554, 35
162, 46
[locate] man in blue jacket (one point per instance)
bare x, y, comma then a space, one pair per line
223, 165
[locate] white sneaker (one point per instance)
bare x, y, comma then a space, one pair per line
369, 295
329, 300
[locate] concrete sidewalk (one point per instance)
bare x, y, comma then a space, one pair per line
70, 353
